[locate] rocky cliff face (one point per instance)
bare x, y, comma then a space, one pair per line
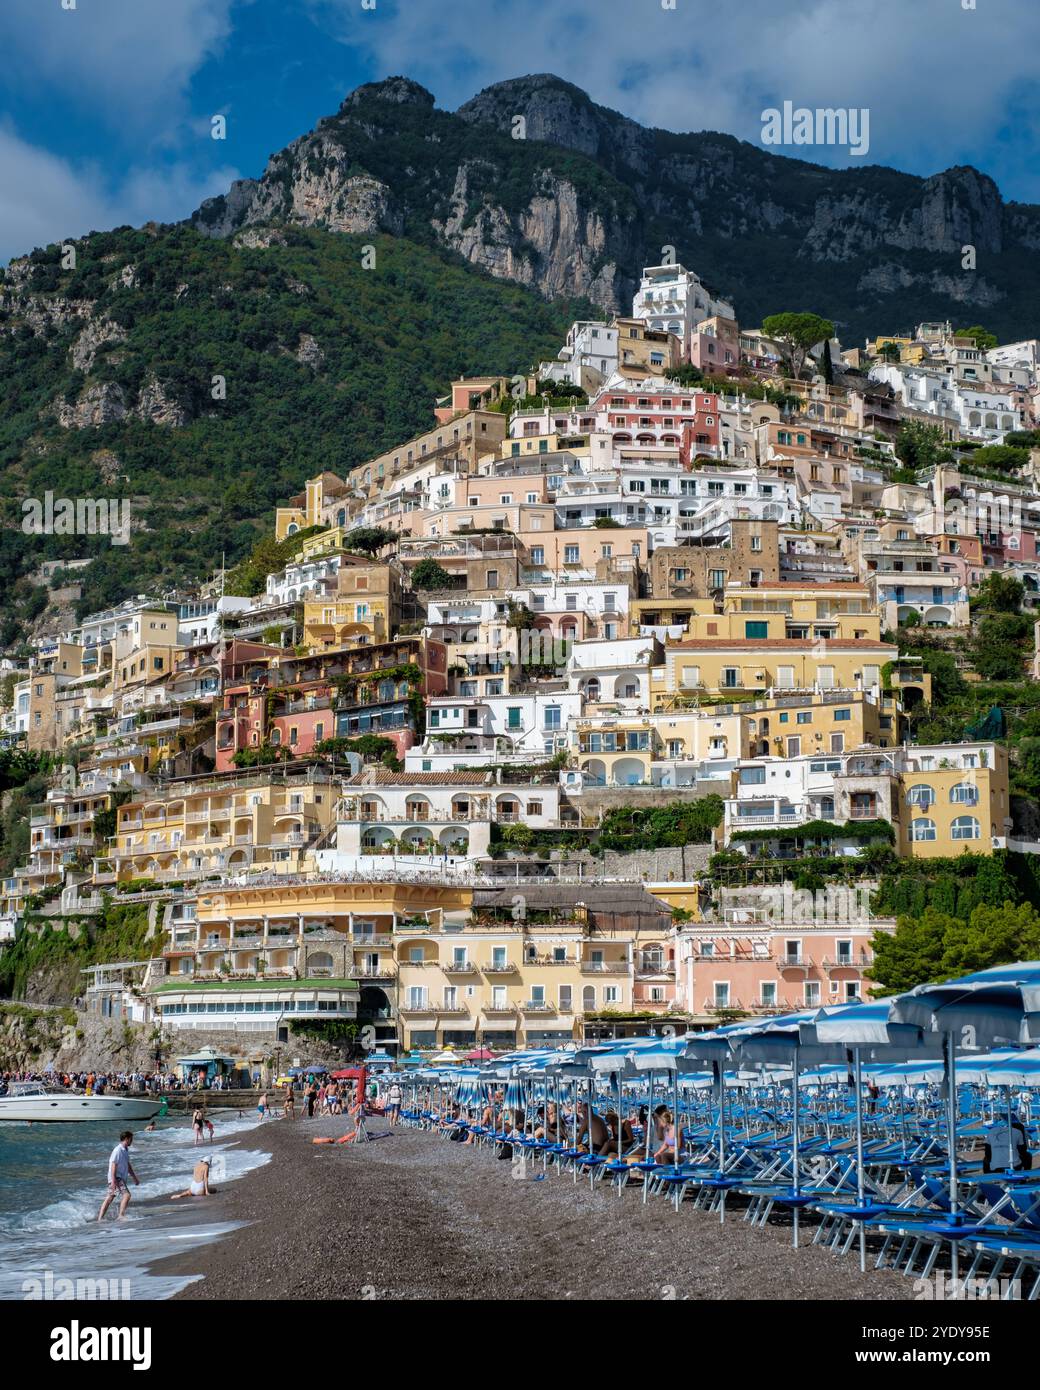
587, 197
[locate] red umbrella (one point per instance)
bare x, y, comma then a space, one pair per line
479, 1054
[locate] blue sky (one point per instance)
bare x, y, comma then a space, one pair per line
105, 108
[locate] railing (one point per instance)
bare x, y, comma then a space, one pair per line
604, 967
789, 961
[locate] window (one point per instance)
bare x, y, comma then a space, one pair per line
794, 746
804, 716
730, 677
921, 795
716, 579
768, 995
965, 794
721, 994
538, 555
752, 776
513, 717
965, 828
756, 630
552, 717
570, 554
842, 714
922, 829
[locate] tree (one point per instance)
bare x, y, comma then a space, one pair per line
369, 539
890, 352
997, 647
1000, 593
939, 946
998, 458
826, 365
428, 574
795, 335
922, 446
984, 339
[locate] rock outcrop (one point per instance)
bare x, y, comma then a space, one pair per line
534, 182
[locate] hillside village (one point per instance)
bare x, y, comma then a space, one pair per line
510, 735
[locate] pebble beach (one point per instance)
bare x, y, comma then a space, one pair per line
412, 1216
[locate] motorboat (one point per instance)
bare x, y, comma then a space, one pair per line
31, 1100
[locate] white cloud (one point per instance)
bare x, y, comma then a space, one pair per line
49, 199
129, 60
940, 81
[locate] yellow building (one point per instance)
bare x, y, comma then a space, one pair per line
365, 608
723, 664
953, 799
823, 611
226, 823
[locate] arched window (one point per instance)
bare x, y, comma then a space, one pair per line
921, 795
965, 828
922, 829
965, 794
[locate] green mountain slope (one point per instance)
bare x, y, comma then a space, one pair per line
324, 363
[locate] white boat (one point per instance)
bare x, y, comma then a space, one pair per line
31, 1100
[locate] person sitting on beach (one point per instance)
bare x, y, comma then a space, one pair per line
199, 1183
592, 1132
556, 1123
627, 1138
665, 1151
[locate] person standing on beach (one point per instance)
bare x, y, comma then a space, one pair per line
119, 1169
261, 1106
393, 1104
197, 1121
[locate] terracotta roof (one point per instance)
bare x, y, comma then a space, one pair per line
381, 777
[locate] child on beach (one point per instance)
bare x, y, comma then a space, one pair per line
261, 1107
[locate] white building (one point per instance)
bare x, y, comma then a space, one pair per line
434, 820
672, 299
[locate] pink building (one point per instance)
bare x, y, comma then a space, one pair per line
765, 967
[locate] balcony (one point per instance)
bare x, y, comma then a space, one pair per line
411, 1008
604, 967
537, 1006
499, 1010
792, 961
465, 967
503, 968
859, 962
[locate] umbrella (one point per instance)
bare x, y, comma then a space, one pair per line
479, 1054
999, 1005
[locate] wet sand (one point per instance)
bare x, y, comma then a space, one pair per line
413, 1216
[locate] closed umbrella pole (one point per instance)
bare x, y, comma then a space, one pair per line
857, 1055
950, 1059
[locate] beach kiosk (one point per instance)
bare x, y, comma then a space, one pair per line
201, 1069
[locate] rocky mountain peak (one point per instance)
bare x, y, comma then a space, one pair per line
397, 90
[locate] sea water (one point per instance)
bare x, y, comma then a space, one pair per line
52, 1181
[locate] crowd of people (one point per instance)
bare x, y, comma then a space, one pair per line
579, 1127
